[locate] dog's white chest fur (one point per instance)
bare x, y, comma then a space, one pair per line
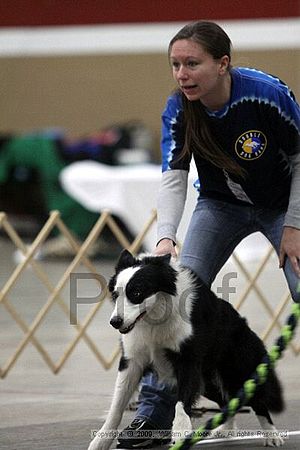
163, 327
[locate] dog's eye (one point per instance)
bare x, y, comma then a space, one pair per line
136, 294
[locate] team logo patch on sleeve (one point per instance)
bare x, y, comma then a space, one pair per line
251, 145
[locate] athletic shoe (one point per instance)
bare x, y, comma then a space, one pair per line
142, 434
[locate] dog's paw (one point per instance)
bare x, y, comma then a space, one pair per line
99, 443
272, 437
276, 441
182, 425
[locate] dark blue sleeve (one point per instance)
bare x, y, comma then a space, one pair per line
172, 140
285, 119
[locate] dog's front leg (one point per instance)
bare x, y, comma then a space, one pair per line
182, 424
126, 383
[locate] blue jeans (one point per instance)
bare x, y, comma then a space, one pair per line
216, 228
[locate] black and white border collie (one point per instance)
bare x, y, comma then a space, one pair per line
174, 324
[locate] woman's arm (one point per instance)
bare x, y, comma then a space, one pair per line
170, 207
290, 241
173, 188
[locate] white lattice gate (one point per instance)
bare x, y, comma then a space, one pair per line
251, 286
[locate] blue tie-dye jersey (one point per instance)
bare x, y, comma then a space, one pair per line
259, 128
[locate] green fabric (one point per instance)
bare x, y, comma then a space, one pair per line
40, 153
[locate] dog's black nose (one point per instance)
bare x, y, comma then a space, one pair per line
116, 322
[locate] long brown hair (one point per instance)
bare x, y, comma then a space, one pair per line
198, 136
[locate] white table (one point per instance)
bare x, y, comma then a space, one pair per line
129, 192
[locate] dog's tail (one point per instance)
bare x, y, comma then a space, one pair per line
274, 395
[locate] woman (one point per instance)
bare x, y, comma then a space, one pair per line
242, 128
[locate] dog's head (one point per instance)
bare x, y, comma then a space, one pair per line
134, 287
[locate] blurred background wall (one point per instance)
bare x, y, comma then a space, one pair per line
83, 65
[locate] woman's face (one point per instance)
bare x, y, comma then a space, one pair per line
197, 73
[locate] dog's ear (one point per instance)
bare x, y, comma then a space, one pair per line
164, 259
167, 258
159, 260
126, 259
